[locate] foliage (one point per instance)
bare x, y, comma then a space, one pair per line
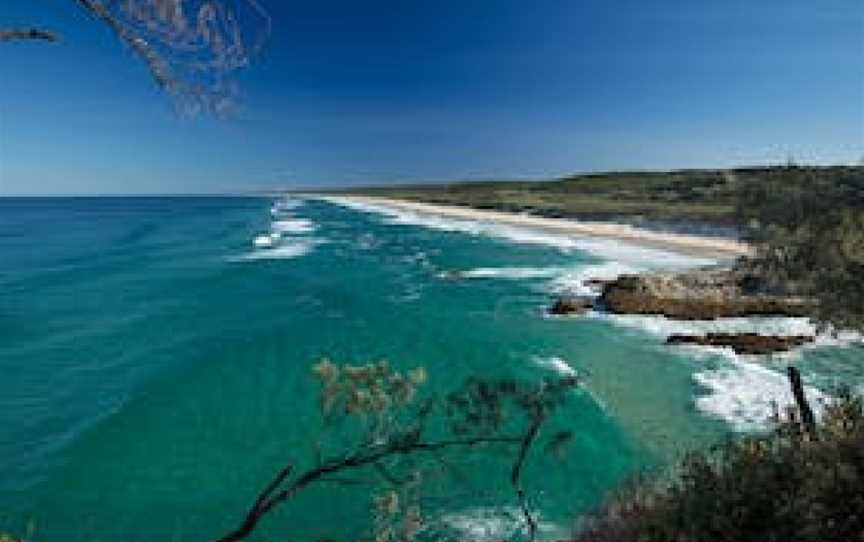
483, 406
379, 425
31, 33
191, 47
808, 227
375, 393
785, 486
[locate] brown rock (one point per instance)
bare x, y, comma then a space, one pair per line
597, 284
695, 295
571, 305
743, 343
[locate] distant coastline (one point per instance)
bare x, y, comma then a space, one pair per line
723, 249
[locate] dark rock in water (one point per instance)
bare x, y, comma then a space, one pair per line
571, 305
696, 295
451, 275
597, 284
743, 343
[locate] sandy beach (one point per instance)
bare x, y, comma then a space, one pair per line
695, 245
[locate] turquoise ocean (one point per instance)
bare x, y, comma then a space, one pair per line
155, 356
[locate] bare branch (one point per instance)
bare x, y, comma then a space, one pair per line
385, 401
267, 501
273, 485
807, 417
516, 474
191, 47
12, 34
158, 66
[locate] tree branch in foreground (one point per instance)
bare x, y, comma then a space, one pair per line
13, 34
157, 65
394, 425
808, 419
269, 498
190, 48
516, 475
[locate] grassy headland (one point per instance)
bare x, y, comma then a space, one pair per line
689, 196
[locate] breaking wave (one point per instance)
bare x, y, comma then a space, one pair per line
287, 236
492, 524
744, 394
662, 327
286, 250
285, 204
293, 225
555, 364
511, 272
576, 281
743, 391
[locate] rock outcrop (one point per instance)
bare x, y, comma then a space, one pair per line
596, 284
571, 305
696, 295
743, 343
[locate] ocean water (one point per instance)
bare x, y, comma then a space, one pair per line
155, 355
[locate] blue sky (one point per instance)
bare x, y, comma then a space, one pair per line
413, 90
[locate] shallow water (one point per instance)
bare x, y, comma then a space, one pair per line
155, 362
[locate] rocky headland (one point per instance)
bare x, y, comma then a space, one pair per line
703, 294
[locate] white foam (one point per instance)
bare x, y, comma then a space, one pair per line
293, 225
739, 390
493, 524
286, 238
285, 250
573, 280
265, 240
642, 258
287, 203
512, 272
555, 364
476, 227
612, 249
565, 280
743, 394
663, 327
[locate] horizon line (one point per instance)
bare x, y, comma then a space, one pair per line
263, 192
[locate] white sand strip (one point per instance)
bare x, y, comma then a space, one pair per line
696, 245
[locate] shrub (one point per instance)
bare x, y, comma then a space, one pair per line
782, 487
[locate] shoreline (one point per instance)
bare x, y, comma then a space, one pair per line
721, 249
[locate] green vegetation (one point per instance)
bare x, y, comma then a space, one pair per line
808, 225
783, 487
803, 481
708, 196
